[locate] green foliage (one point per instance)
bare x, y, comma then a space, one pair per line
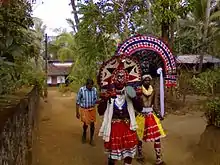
64, 89
91, 44
167, 11
75, 87
19, 47
184, 85
191, 38
213, 112
6, 80
207, 83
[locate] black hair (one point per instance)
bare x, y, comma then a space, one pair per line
89, 82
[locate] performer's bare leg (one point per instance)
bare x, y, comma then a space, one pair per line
84, 132
111, 161
157, 147
139, 151
128, 161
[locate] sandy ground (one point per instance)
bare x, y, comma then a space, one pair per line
59, 136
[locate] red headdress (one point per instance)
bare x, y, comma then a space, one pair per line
118, 72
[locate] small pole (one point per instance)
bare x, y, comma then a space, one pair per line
46, 58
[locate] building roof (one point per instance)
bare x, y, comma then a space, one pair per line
58, 70
194, 59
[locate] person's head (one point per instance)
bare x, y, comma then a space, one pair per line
120, 79
146, 81
89, 84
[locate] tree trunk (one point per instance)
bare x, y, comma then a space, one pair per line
165, 24
126, 22
206, 23
76, 18
149, 17
171, 43
165, 31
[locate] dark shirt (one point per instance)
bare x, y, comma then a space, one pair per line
119, 114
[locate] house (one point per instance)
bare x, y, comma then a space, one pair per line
57, 72
191, 62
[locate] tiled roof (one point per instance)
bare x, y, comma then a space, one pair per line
58, 70
193, 59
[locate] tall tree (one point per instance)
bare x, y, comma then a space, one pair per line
206, 26
38, 41
16, 44
76, 18
200, 29
166, 13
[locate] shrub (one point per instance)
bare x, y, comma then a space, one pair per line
63, 88
213, 112
184, 85
207, 82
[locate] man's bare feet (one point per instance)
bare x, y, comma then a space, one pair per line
92, 143
83, 139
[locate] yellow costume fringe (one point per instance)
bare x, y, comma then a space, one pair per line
159, 126
140, 119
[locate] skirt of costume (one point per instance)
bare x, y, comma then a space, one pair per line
88, 115
149, 127
123, 141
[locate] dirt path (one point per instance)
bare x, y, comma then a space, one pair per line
59, 136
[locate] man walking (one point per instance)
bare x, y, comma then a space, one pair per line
85, 108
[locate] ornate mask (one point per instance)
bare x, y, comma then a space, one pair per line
120, 78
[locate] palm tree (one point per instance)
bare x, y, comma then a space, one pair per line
71, 24
201, 26
38, 32
66, 45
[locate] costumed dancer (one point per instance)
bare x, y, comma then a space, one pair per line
149, 126
85, 108
119, 125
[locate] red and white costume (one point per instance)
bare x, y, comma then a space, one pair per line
119, 126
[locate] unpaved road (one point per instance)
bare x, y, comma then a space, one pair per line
59, 136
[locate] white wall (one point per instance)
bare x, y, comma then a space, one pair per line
60, 79
67, 64
49, 80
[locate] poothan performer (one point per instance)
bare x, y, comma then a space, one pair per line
119, 125
149, 126
85, 108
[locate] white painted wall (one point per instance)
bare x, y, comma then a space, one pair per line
60, 79
67, 64
49, 80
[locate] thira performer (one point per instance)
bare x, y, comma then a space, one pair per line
119, 125
149, 126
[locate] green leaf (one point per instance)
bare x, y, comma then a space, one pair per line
9, 41
215, 16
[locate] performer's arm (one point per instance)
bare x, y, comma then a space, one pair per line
102, 107
156, 103
137, 103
